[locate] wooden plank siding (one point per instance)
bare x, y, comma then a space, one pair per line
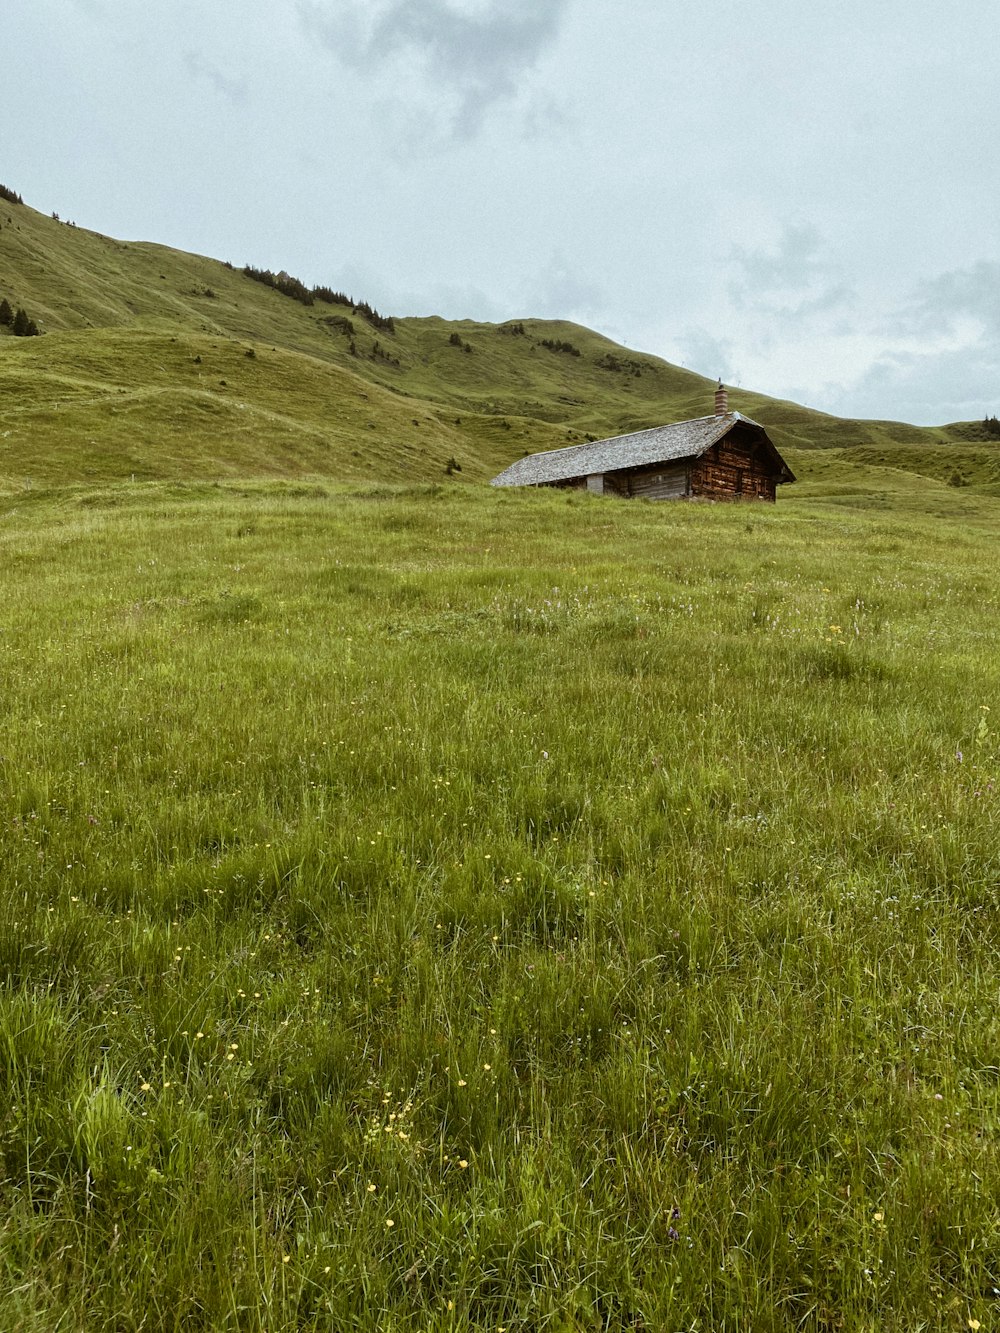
737, 468
662, 481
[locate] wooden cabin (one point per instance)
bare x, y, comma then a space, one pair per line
723, 457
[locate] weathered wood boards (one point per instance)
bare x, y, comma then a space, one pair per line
738, 467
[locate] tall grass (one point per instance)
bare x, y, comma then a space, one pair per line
426, 909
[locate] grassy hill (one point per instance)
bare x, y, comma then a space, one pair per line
159, 364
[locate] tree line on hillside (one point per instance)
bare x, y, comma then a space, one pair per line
18, 321
298, 291
10, 195
560, 345
621, 365
626, 365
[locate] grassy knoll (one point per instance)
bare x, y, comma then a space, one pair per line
103, 406
437, 908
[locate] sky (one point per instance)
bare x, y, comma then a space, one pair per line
802, 199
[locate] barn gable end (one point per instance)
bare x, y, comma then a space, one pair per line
739, 466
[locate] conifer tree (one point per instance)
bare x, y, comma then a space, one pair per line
6, 313
20, 325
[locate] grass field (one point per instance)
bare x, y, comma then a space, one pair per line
435, 908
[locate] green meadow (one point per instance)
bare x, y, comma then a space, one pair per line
434, 908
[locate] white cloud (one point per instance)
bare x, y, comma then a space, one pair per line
232, 89
926, 387
789, 320
938, 353
457, 58
560, 292
959, 296
794, 279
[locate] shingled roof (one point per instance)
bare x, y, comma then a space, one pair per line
661, 444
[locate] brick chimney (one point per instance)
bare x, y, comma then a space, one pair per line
721, 401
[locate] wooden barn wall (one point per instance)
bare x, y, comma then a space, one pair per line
737, 468
664, 481
615, 484
660, 481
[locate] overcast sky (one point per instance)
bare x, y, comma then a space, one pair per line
803, 199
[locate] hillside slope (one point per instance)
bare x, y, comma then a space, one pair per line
158, 363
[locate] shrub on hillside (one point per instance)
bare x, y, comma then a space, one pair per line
383, 322
380, 354
331, 297
558, 345
23, 326
623, 365
281, 282
338, 324
292, 287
